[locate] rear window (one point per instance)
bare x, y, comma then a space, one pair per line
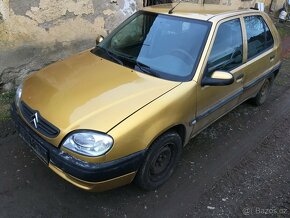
259, 36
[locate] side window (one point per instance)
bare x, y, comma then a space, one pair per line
259, 36
227, 50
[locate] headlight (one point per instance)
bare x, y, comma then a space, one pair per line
89, 143
18, 95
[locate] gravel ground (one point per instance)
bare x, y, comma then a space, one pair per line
237, 167
258, 185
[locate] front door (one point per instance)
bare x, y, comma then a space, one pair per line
226, 55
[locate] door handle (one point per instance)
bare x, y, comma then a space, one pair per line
240, 77
272, 57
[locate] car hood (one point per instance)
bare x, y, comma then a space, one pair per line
89, 92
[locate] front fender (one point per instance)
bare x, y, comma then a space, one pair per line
138, 131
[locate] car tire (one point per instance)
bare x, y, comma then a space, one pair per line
161, 159
263, 93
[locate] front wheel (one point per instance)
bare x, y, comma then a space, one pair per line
161, 159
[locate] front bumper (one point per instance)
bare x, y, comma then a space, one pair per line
89, 176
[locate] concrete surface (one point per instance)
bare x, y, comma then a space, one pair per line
34, 33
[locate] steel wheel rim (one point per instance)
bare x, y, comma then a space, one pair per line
161, 162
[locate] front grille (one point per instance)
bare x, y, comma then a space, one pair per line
37, 122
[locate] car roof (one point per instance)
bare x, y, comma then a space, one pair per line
199, 11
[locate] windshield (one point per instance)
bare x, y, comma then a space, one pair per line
164, 46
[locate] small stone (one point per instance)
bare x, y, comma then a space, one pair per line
34, 9
108, 12
8, 87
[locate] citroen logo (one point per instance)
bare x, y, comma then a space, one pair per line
35, 119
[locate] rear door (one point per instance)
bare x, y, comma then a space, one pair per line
260, 53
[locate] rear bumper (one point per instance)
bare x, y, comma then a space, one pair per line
80, 173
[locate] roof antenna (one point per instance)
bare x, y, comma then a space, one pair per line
171, 10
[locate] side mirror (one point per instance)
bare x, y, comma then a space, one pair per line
99, 39
218, 78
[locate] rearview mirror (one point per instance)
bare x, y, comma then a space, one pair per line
218, 78
99, 39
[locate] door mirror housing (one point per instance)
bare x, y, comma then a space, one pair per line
99, 39
218, 78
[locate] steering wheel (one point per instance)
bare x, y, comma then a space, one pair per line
184, 55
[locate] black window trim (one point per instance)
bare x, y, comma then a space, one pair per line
265, 50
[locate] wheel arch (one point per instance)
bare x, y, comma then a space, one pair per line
275, 73
180, 129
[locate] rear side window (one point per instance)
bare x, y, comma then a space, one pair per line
227, 50
259, 36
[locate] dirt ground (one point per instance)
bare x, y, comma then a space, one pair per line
239, 166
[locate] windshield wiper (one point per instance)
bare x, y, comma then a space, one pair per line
143, 67
111, 55
146, 69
